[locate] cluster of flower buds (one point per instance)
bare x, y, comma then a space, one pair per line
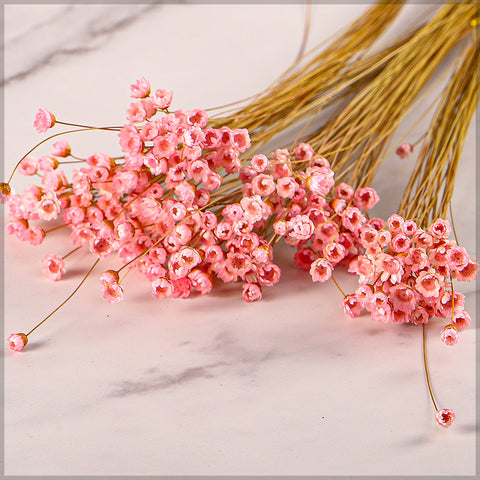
406, 274
320, 221
162, 207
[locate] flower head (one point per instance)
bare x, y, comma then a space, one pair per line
53, 267
17, 341
449, 335
445, 417
44, 120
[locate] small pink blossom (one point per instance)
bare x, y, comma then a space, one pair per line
352, 219
101, 246
263, 185
202, 282
321, 270
404, 150
259, 163
268, 274
343, 191
28, 166
136, 113
181, 287
301, 227
251, 292
395, 223
320, 181
457, 258
47, 164
409, 228
428, 284
468, 273
461, 320
113, 292
445, 417
440, 228
53, 267
365, 198
34, 235
44, 120
286, 187
61, 149
140, 89
17, 341
48, 207
352, 306
162, 98
162, 288
449, 335
303, 151
400, 243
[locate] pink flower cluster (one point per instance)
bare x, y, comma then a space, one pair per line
406, 274
159, 207
320, 221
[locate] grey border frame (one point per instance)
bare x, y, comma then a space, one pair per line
220, 477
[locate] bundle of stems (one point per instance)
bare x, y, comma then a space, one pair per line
356, 139
304, 87
429, 191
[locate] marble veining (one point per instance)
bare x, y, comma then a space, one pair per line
88, 29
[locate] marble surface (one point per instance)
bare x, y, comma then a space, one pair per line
208, 385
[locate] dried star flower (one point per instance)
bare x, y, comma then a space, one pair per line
404, 150
445, 417
17, 341
53, 267
449, 335
44, 120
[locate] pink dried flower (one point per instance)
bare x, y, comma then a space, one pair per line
303, 151
268, 274
136, 113
141, 88
468, 273
61, 149
202, 282
404, 150
428, 284
445, 417
365, 198
449, 335
162, 288
259, 163
28, 166
113, 292
17, 341
321, 270
251, 292
53, 267
162, 98
440, 228
48, 207
263, 185
44, 120
301, 227
461, 320
352, 306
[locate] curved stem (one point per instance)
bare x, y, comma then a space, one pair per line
426, 369
66, 300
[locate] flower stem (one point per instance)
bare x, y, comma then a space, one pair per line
426, 369
66, 300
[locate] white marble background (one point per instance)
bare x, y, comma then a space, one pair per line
208, 385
